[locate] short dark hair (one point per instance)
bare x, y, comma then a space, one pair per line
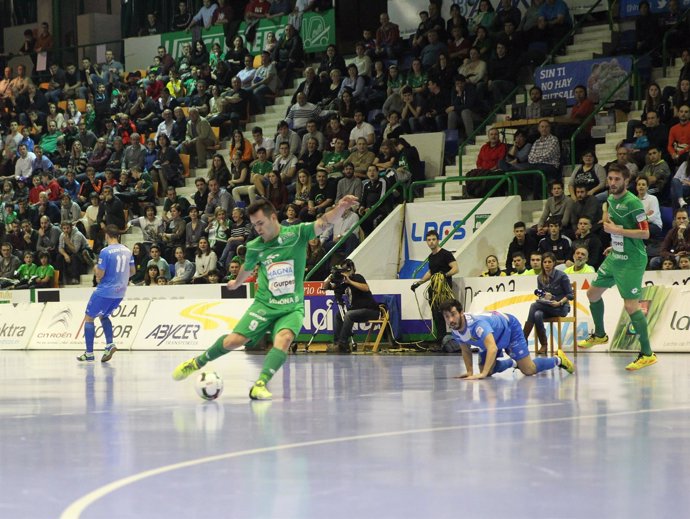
519, 254
261, 205
449, 305
431, 233
518, 225
112, 231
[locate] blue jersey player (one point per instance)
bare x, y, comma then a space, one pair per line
493, 332
114, 268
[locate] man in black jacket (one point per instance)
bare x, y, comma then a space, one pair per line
344, 281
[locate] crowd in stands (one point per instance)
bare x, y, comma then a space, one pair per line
85, 145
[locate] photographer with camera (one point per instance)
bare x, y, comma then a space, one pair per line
344, 281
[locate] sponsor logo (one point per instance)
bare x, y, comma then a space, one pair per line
174, 333
442, 228
61, 319
12, 330
201, 313
680, 322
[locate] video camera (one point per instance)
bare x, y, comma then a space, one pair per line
337, 277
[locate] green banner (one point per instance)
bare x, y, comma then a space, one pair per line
317, 31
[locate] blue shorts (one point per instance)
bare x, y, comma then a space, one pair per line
517, 349
101, 306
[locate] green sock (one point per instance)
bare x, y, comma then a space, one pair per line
639, 321
597, 309
213, 352
272, 363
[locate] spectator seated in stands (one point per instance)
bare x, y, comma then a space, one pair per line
338, 229
373, 190
72, 247
679, 135
555, 243
651, 206
588, 240
584, 205
474, 68
556, 15
680, 185
492, 152
519, 264
518, 153
579, 263
464, 107
300, 113
431, 51
522, 242
534, 263
265, 82
677, 240
285, 134
333, 161
387, 38
184, 269
433, 110
657, 172
589, 174
349, 184
492, 267
545, 155
501, 73
288, 54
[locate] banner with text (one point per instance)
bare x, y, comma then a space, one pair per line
317, 32
17, 324
61, 325
445, 215
631, 8
189, 324
600, 76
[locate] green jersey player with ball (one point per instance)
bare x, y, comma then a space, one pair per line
281, 254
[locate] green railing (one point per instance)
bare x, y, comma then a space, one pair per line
508, 175
343, 239
463, 220
509, 97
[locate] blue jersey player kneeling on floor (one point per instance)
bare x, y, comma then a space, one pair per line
493, 332
115, 267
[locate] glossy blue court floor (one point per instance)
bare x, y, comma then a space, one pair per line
345, 437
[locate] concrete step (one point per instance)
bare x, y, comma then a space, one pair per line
590, 37
579, 55
601, 28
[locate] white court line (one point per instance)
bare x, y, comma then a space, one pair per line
74, 510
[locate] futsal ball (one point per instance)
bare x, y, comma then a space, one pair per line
209, 385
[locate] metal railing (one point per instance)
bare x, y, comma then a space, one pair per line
464, 219
508, 175
351, 231
549, 58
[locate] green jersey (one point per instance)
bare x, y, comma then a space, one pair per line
628, 212
281, 266
26, 270
43, 271
261, 168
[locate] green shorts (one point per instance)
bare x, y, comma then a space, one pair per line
260, 318
626, 276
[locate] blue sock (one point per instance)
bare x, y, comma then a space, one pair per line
89, 334
543, 363
107, 329
502, 365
